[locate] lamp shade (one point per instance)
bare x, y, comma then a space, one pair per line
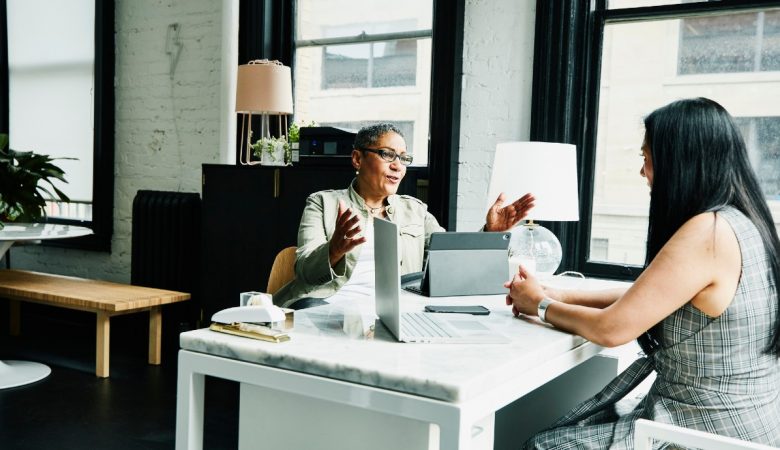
264, 87
547, 170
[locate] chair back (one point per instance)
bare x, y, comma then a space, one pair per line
283, 269
646, 431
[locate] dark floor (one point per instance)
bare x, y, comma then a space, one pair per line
72, 409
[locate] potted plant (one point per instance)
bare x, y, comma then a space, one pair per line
294, 137
272, 151
23, 194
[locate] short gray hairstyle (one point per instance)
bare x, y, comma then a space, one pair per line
370, 134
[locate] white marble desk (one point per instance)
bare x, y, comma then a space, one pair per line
451, 385
19, 373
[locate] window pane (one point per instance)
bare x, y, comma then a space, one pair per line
639, 74
748, 42
762, 136
770, 50
366, 82
318, 19
718, 44
377, 64
345, 66
51, 82
394, 63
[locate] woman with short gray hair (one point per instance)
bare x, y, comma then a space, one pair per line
333, 255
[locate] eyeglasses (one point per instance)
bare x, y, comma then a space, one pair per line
390, 155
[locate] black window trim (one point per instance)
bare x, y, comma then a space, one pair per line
567, 68
102, 222
267, 30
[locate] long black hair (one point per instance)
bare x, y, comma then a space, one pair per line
700, 163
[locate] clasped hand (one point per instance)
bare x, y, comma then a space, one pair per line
525, 293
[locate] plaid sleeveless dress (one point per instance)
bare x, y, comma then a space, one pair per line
712, 374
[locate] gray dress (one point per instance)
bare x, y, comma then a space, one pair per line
712, 374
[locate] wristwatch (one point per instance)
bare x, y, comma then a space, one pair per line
541, 310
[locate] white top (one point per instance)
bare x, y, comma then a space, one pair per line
360, 285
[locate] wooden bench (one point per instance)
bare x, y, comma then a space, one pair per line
104, 298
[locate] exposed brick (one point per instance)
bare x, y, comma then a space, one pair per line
496, 97
165, 128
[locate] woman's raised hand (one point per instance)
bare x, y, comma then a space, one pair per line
502, 218
525, 293
343, 239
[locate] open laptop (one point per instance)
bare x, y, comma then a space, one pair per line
470, 263
417, 326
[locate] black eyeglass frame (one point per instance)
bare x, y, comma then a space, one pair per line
385, 153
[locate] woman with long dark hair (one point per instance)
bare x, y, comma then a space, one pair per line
705, 309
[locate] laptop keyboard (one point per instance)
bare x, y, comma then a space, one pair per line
420, 324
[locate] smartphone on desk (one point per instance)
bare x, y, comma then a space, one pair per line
458, 309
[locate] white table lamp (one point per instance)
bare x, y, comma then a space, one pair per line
263, 87
548, 171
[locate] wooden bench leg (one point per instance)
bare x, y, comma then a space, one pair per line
155, 334
14, 326
103, 344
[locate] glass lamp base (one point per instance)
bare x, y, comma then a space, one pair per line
536, 248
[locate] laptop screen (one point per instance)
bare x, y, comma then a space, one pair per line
387, 274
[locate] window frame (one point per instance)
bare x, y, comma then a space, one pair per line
363, 38
567, 63
267, 30
102, 223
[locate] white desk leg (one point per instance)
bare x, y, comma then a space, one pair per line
189, 406
454, 433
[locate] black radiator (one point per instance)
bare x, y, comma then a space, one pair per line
166, 253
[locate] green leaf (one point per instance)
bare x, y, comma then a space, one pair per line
26, 183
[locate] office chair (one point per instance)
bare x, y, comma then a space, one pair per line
283, 269
646, 431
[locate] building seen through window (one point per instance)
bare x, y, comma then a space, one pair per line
360, 62
762, 136
371, 65
732, 58
748, 42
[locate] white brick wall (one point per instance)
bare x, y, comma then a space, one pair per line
496, 96
166, 128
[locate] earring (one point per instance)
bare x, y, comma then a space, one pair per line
357, 172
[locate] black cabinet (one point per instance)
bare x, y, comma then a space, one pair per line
250, 213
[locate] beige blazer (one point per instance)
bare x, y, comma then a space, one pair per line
314, 276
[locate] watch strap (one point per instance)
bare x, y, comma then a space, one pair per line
541, 310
